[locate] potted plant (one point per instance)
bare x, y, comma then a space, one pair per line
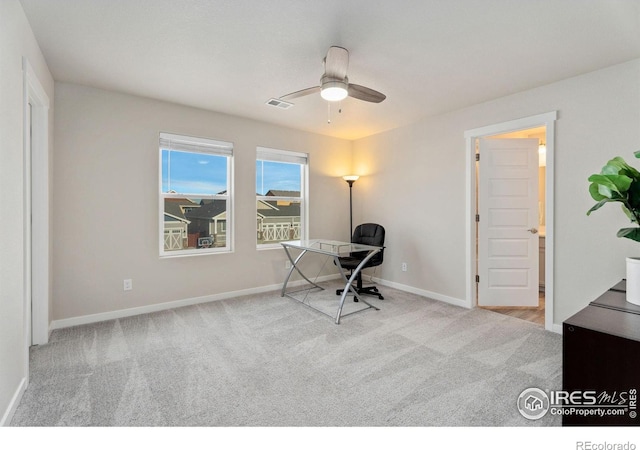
619, 182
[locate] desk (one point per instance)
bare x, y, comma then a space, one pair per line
601, 353
334, 249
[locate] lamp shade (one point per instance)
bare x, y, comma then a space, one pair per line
351, 178
334, 90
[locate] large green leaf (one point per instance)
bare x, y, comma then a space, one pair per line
609, 185
600, 204
630, 233
619, 166
622, 182
611, 169
595, 194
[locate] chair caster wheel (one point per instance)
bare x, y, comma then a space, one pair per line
355, 300
381, 297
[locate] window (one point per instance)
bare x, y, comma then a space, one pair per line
282, 199
195, 195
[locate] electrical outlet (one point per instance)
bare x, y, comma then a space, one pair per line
404, 266
128, 284
287, 264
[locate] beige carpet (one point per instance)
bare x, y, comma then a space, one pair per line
265, 360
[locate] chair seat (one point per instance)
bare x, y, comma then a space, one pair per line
349, 263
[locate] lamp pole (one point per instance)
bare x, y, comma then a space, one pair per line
350, 179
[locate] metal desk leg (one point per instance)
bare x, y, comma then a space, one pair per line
294, 266
349, 286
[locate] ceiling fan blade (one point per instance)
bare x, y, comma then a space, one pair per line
364, 93
303, 92
336, 63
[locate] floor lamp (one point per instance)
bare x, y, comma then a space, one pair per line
350, 179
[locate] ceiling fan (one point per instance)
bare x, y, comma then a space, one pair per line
334, 84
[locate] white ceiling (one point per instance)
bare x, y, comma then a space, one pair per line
427, 56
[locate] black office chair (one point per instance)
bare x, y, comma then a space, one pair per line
369, 234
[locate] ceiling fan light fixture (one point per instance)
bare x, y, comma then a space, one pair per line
334, 90
334, 84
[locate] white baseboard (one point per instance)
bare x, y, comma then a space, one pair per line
13, 404
424, 293
555, 328
110, 315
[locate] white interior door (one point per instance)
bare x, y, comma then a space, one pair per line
508, 222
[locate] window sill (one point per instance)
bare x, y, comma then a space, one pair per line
194, 253
269, 247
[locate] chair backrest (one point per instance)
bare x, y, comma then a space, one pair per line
370, 234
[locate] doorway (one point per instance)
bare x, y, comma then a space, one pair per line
529, 127
520, 248
36, 208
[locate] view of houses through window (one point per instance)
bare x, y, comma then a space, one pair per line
280, 196
196, 198
195, 195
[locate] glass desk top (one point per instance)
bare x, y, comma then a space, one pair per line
329, 247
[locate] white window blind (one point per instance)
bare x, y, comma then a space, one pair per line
193, 144
270, 154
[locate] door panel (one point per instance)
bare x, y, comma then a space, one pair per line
507, 230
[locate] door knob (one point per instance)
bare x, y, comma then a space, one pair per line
533, 230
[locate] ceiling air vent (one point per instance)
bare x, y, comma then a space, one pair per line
279, 103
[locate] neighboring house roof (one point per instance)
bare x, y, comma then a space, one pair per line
278, 193
173, 208
170, 218
279, 208
265, 205
290, 210
209, 209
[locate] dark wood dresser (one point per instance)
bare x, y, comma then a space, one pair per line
601, 354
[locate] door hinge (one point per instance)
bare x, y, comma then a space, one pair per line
477, 278
477, 156
477, 217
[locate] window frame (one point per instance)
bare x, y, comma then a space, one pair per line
190, 144
292, 157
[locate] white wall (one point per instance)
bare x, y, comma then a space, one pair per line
16, 41
415, 186
105, 219
413, 183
